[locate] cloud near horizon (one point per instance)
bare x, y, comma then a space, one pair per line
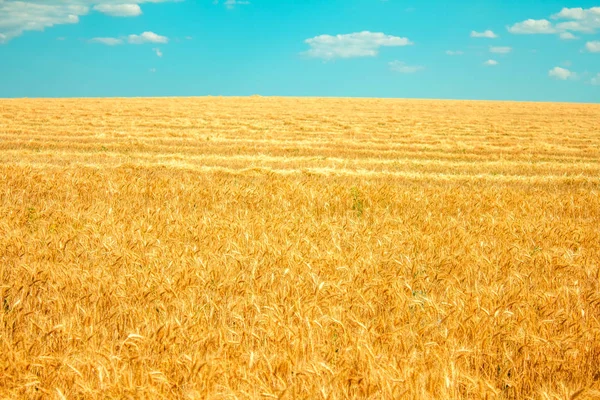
358, 44
403, 68
562, 74
500, 49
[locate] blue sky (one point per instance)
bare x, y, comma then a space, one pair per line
484, 49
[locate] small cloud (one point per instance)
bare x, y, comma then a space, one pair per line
152, 70
596, 80
119, 10
359, 44
567, 36
147, 37
532, 27
485, 34
454, 52
61, 38
232, 3
158, 52
593, 47
107, 41
561, 73
399, 66
500, 49
188, 38
567, 63
490, 63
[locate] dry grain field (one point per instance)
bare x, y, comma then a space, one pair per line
246, 248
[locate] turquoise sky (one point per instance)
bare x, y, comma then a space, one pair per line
484, 49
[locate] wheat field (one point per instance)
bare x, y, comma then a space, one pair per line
248, 248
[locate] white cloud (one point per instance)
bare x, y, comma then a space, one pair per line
454, 52
158, 52
119, 10
147, 37
490, 63
570, 13
532, 27
582, 20
107, 41
399, 66
359, 44
561, 73
596, 80
500, 49
18, 16
593, 47
152, 70
485, 34
567, 36
575, 20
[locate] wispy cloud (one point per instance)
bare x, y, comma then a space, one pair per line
500, 49
232, 3
107, 41
485, 34
403, 68
490, 63
454, 52
596, 79
567, 36
157, 52
146, 37
359, 44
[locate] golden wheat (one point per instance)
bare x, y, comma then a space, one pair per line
299, 248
